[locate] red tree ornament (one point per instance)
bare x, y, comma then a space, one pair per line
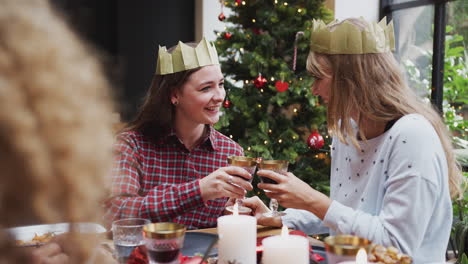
221, 17
226, 103
238, 2
227, 35
315, 141
256, 31
260, 81
281, 86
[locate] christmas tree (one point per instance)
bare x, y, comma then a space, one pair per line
269, 109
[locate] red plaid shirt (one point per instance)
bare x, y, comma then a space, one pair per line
160, 180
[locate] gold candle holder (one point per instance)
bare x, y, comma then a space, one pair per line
164, 241
344, 247
164, 230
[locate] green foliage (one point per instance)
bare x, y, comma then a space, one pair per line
463, 259
268, 123
460, 235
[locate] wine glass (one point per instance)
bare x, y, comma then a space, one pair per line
248, 164
279, 166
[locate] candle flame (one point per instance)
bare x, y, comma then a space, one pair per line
361, 257
235, 209
284, 231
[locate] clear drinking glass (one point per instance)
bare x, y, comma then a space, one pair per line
128, 236
278, 166
248, 164
164, 242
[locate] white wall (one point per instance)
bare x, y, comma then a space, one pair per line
207, 12
369, 9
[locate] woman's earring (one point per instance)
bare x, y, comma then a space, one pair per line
175, 103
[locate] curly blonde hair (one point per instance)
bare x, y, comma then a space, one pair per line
371, 86
55, 119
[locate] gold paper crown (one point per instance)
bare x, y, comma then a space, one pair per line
347, 38
185, 57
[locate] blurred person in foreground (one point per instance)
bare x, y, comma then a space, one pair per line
55, 132
393, 171
171, 164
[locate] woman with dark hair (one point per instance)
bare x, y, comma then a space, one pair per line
171, 163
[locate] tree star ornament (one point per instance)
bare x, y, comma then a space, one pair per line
281, 86
260, 81
315, 141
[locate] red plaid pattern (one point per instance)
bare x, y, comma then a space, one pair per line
160, 180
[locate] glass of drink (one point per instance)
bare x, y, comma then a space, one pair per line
248, 164
128, 236
164, 241
278, 166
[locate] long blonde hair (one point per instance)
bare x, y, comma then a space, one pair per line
371, 86
55, 119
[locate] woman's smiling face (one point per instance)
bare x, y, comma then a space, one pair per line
201, 97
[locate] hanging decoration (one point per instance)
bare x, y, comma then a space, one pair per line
221, 16
227, 103
281, 86
315, 141
295, 49
260, 81
227, 35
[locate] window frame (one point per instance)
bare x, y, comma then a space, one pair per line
438, 54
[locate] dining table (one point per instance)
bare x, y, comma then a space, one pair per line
263, 231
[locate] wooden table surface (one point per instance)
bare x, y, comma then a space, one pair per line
261, 232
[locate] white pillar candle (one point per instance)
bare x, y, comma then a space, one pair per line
285, 249
237, 239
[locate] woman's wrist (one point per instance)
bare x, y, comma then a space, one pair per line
319, 204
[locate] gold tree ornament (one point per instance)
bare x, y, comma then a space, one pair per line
347, 38
185, 57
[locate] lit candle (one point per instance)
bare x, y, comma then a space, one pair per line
237, 238
361, 258
285, 249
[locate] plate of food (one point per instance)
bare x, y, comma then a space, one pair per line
36, 235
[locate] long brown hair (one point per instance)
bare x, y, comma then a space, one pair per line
156, 115
371, 86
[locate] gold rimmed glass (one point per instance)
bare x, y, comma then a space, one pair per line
164, 241
248, 164
278, 166
342, 248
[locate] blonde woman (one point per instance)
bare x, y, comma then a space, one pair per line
55, 130
393, 172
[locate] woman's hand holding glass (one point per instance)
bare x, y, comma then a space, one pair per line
276, 166
224, 183
291, 192
248, 164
